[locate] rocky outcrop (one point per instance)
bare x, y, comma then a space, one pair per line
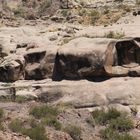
12, 68
81, 58
86, 58
39, 63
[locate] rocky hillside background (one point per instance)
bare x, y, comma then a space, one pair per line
88, 12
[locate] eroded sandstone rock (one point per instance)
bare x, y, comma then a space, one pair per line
39, 63
12, 68
86, 58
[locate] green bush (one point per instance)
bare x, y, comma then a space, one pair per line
99, 116
1, 118
102, 117
73, 131
21, 99
34, 130
15, 125
110, 134
122, 124
35, 133
126, 136
95, 15
52, 121
44, 111
1, 113
112, 113
48, 116
19, 12
64, 12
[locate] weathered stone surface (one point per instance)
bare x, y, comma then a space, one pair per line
80, 58
53, 135
39, 63
12, 68
86, 58
10, 135
124, 91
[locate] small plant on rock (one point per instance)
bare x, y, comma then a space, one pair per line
44, 111
1, 113
35, 131
122, 124
48, 115
52, 121
115, 35
1, 119
102, 117
110, 134
73, 131
15, 125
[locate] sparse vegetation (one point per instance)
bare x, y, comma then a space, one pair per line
44, 111
15, 125
108, 124
115, 35
117, 124
18, 99
134, 111
122, 124
94, 15
48, 116
19, 12
35, 131
1, 119
74, 131
1, 113
52, 121
64, 12
102, 117
22, 99
110, 134
46, 4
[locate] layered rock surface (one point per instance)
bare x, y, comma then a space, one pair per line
81, 58
33, 55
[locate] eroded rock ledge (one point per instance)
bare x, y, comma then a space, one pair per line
67, 74
81, 58
81, 94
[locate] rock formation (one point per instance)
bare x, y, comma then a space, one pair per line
81, 58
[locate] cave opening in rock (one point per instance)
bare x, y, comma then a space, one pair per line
128, 53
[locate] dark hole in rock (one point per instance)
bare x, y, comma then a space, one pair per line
128, 53
34, 57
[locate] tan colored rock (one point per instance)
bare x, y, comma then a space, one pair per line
124, 91
86, 58
12, 136
40, 63
12, 68
59, 135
